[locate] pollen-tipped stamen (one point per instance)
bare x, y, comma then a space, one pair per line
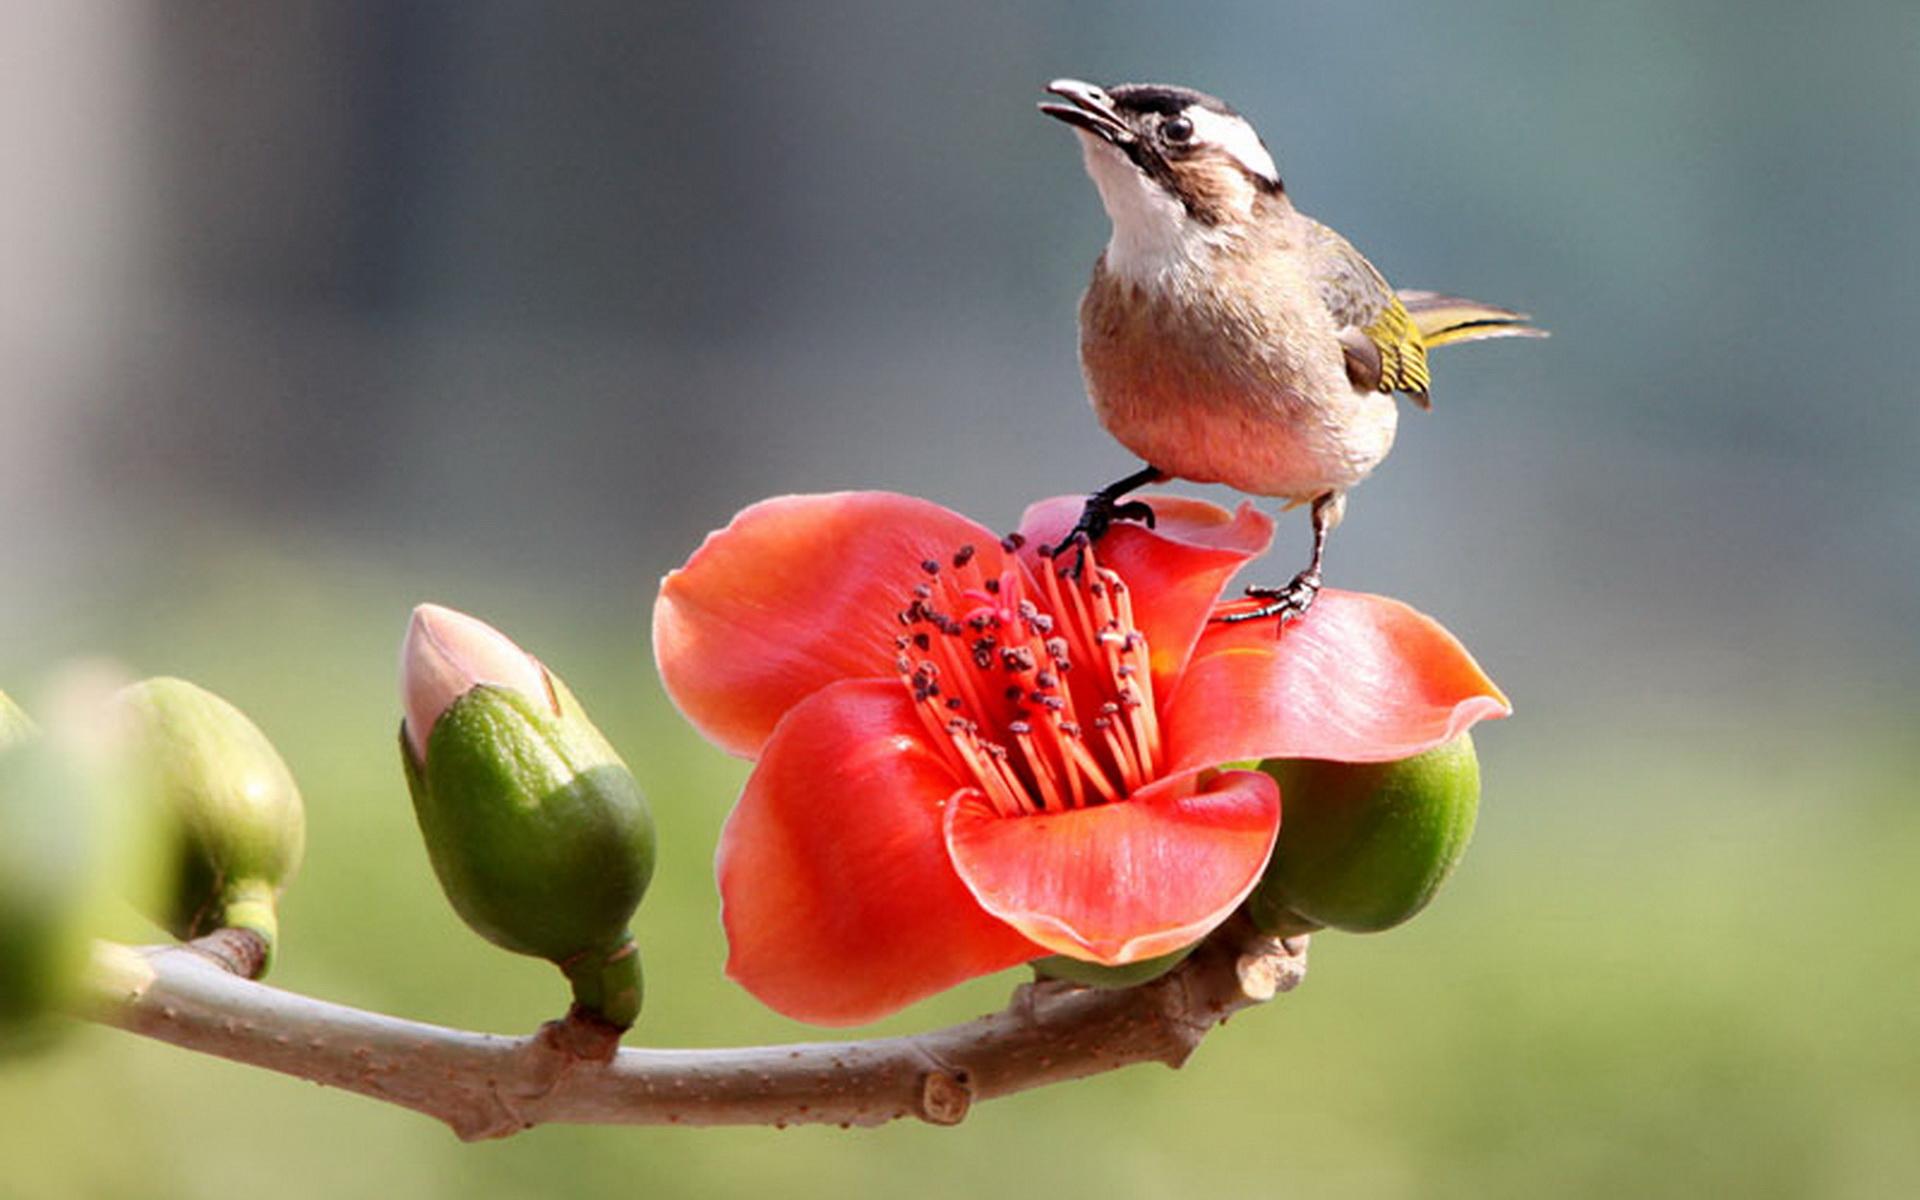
1002, 675
1090, 768
1109, 726
991, 769
1041, 770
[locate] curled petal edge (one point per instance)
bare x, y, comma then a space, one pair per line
1158, 869
1360, 678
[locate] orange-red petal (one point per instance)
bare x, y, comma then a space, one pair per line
1176, 570
1125, 881
838, 897
796, 593
1360, 678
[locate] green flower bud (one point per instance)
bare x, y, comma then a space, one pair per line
229, 806
536, 828
1365, 846
48, 870
1096, 975
15, 725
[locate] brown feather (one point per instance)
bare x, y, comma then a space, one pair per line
1364, 367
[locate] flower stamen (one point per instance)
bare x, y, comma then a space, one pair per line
1003, 677
1042, 771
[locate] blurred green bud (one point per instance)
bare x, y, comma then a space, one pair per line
536, 829
227, 803
48, 881
1096, 975
15, 725
1365, 846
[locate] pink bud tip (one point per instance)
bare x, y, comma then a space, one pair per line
447, 654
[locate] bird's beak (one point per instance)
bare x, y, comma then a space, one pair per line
1088, 108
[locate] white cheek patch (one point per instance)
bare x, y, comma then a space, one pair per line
1236, 138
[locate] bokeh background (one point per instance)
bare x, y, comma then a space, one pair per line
311, 311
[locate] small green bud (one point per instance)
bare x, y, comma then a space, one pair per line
535, 827
227, 802
1365, 846
15, 725
48, 881
1096, 975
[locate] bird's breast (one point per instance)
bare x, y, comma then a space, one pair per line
1242, 385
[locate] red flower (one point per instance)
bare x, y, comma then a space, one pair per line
967, 761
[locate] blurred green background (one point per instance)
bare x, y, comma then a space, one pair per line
317, 310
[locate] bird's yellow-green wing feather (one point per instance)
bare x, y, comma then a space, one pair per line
1384, 346
1403, 352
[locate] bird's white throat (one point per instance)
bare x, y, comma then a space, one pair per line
1154, 239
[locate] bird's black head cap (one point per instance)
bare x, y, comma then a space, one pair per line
1165, 99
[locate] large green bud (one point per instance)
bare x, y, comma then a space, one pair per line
1365, 846
537, 831
226, 802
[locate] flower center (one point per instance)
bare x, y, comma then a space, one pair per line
1034, 683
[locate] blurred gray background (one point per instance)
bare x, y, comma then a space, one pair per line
313, 310
508, 288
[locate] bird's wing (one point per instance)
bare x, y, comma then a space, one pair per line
1383, 346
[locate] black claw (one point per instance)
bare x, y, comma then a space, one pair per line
1286, 603
1095, 520
1133, 510
1104, 507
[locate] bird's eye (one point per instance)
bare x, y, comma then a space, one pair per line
1176, 129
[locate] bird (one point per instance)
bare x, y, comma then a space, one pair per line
1227, 337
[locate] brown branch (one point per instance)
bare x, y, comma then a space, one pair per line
484, 1085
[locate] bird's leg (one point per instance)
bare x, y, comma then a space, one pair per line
1104, 508
1297, 597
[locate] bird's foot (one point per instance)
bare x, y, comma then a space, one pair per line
1101, 511
1286, 603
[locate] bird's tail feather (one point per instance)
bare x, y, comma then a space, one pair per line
1443, 320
